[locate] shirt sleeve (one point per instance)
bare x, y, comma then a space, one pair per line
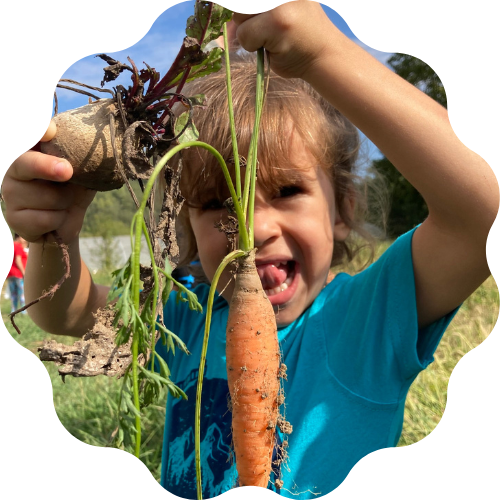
376, 349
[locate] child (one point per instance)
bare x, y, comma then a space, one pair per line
15, 278
352, 347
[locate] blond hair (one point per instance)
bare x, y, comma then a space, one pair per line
328, 136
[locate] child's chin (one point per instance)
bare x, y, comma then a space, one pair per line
285, 315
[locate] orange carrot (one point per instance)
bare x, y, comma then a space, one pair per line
253, 363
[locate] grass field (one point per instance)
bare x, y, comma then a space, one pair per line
87, 407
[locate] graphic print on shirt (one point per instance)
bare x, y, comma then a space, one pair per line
217, 472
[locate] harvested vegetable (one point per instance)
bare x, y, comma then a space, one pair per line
253, 363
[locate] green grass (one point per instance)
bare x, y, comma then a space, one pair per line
87, 406
426, 400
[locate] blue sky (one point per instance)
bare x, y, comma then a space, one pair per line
158, 48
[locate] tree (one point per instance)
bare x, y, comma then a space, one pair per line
109, 214
408, 208
419, 74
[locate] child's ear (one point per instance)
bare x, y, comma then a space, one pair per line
341, 228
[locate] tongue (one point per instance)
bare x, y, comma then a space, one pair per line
271, 276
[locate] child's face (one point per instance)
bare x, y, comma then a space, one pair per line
294, 235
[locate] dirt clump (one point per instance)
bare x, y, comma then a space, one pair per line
95, 354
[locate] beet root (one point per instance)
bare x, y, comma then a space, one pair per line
83, 138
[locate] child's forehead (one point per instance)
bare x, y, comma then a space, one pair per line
278, 167
287, 149
272, 178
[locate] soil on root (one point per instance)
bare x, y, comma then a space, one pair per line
95, 354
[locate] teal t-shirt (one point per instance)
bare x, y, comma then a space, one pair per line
351, 358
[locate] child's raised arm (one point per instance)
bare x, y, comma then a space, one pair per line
414, 133
38, 201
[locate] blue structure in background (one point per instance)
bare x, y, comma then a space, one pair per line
183, 275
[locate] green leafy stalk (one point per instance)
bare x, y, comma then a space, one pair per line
139, 228
194, 60
129, 277
210, 302
234, 142
259, 104
246, 240
135, 262
251, 170
156, 286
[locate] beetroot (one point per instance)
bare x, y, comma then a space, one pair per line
83, 138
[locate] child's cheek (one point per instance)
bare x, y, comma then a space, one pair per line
211, 243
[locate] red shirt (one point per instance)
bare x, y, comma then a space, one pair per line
19, 251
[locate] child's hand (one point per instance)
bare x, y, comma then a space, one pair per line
39, 200
295, 35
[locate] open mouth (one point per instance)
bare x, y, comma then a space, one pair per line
279, 280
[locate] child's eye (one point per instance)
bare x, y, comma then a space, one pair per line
287, 191
213, 204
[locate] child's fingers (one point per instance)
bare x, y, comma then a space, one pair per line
250, 31
33, 224
34, 165
38, 198
241, 18
37, 194
34, 208
294, 34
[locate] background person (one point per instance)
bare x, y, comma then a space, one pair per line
15, 278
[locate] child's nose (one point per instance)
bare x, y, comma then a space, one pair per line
266, 224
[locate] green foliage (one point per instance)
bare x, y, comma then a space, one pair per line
419, 74
193, 61
206, 23
124, 307
136, 319
143, 387
408, 208
109, 214
191, 133
211, 64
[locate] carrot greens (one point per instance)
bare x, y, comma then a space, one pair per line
245, 226
140, 297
